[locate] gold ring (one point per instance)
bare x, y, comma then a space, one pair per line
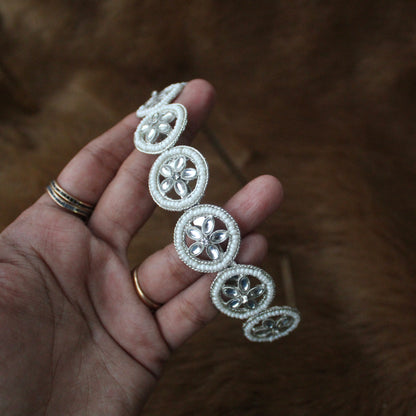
69, 202
143, 297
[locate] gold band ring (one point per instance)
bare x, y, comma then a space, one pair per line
143, 297
69, 202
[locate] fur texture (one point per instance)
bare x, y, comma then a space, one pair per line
320, 94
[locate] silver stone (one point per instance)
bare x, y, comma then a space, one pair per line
208, 225
196, 249
188, 174
194, 233
213, 252
219, 236
166, 185
181, 188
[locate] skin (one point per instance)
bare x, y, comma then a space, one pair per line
75, 337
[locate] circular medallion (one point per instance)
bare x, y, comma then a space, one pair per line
242, 291
178, 178
160, 129
161, 98
271, 324
207, 238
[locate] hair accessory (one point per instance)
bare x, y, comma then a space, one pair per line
69, 202
206, 237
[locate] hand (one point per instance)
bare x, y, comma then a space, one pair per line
75, 337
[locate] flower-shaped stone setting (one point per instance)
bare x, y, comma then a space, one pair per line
157, 124
177, 176
234, 293
271, 324
238, 289
206, 239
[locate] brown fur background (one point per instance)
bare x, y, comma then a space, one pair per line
320, 94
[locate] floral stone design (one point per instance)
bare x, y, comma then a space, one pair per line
271, 324
198, 226
234, 294
171, 173
158, 99
155, 133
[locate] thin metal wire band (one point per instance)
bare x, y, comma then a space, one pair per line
69, 198
143, 297
66, 205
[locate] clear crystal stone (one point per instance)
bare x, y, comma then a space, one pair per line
194, 233
166, 185
179, 163
213, 252
219, 236
196, 248
284, 323
168, 117
257, 291
144, 127
151, 135
250, 304
188, 174
268, 323
181, 188
231, 292
208, 225
166, 171
155, 117
244, 284
234, 303
164, 128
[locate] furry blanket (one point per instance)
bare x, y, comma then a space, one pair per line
320, 94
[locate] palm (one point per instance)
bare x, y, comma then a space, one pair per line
76, 338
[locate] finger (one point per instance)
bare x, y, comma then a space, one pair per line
250, 207
126, 203
192, 309
89, 172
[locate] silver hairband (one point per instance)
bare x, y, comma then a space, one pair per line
206, 237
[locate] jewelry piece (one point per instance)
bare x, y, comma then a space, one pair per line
198, 224
233, 294
143, 297
159, 99
171, 173
69, 202
206, 237
155, 133
271, 324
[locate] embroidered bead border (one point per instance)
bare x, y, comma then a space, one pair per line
159, 102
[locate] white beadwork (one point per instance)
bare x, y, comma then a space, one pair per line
159, 99
235, 284
271, 324
172, 166
199, 217
158, 122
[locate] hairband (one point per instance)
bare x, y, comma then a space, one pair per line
206, 237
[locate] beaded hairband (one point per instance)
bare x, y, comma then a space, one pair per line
206, 237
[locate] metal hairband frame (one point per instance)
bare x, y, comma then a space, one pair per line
206, 237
